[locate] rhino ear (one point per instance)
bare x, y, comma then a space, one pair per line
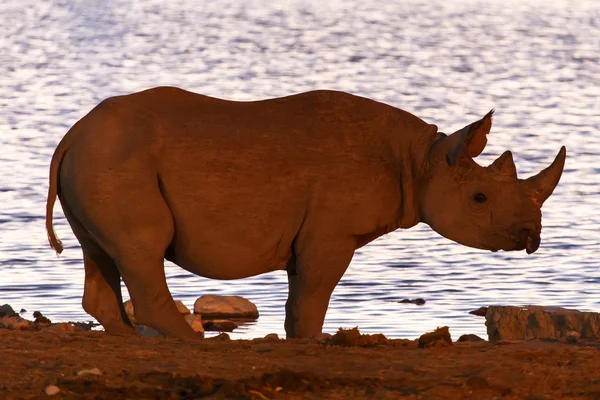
470, 140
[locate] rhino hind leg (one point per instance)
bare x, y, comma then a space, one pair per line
319, 266
102, 297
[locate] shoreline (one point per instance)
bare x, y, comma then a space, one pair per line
92, 364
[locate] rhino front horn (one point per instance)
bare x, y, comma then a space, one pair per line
542, 185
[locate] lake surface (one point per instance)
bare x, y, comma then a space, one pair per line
536, 62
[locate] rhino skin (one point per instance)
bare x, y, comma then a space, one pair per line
228, 190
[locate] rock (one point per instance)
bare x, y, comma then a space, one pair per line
89, 371
85, 326
14, 323
418, 301
480, 312
220, 325
7, 311
195, 322
51, 390
146, 331
40, 320
572, 337
438, 338
470, 338
213, 306
182, 308
352, 337
538, 322
221, 337
271, 337
130, 311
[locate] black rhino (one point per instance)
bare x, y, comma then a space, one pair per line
228, 190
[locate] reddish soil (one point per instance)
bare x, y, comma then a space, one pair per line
357, 367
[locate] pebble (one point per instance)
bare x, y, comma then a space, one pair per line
89, 371
470, 338
272, 337
572, 337
52, 390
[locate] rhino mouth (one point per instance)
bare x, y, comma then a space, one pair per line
532, 243
527, 239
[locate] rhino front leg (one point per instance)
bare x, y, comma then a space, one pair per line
319, 266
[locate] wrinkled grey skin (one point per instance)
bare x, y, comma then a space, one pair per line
229, 190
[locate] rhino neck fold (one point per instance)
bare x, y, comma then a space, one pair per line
412, 149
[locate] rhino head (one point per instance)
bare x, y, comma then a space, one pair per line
483, 207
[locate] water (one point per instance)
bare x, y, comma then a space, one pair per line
449, 62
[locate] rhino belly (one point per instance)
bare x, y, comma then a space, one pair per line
220, 241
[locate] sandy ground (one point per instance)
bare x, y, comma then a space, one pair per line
94, 365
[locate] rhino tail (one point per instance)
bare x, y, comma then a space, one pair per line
53, 188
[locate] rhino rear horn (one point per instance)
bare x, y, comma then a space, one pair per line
541, 186
505, 165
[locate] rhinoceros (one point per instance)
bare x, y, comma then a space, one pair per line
228, 190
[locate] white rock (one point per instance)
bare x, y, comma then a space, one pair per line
52, 390
89, 371
538, 322
214, 306
195, 322
130, 311
146, 331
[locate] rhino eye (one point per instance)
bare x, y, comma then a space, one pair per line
479, 197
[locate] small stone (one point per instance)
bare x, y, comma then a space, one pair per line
221, 337
470, 338
480, 312
438, 338
52, 390
220, 325
14, 323
40, 320
272, 337
130, 311
146, 331
346, 337
195, 322
572, 337
6, 311
22, 311
182, 308
418, 301
89, 371
322, 337
214, 306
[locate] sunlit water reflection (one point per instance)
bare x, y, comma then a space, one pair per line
449, 62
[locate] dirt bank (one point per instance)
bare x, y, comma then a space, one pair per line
94, 365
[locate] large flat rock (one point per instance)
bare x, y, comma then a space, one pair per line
539, 322
215, 306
